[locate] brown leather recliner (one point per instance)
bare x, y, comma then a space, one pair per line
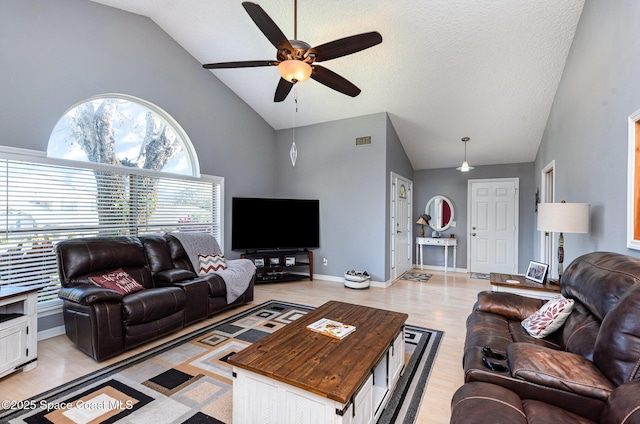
100, 321
485, 403
579, 366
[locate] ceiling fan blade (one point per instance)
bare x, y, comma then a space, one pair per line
241, 64
345, 46
267, 26
283, 90
334, 81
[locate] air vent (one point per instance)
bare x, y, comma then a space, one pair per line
363, 141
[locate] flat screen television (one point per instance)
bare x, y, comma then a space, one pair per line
272, 224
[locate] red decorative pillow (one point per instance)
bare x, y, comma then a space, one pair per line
119, 281
549, 317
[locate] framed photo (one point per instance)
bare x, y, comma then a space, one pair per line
274, 261
259, 262
633, 183
290, 261
537, 272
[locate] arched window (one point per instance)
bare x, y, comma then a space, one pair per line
116, 129
116, 165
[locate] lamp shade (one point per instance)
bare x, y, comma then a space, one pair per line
422, 221
563, 217
294, 70
465, 167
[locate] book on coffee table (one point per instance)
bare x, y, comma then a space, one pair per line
331, 328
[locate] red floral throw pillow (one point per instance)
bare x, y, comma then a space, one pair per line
549, 317
119, 281
211, 263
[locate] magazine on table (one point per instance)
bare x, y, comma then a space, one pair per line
331, 328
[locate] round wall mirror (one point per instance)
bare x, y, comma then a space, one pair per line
440, 209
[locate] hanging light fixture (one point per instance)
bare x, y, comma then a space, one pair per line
294, 69
465, 165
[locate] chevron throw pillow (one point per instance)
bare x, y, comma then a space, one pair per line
211, 263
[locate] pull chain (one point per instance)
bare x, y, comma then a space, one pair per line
293, 153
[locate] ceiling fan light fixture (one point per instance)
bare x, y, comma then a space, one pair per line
294, 70
465, 167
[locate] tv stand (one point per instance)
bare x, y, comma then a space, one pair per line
278, 266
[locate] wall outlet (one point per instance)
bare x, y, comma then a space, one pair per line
453, 224
325, 261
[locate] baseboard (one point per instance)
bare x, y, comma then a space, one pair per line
328, 278
438, 268
51, 332
332, 278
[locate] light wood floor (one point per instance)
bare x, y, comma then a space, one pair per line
442, 303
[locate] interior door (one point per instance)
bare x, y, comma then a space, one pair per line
401, 216
547, 242
493, 225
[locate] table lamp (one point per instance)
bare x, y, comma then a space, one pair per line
422, 223
563, 218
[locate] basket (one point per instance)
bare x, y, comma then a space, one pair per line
356, 279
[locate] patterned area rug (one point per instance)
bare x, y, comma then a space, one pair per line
415, 276
188, 379
480, 276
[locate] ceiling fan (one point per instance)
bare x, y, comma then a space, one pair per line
296, 60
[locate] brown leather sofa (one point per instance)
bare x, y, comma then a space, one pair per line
586, 371
102, 323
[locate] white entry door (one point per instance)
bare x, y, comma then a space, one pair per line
401, 220
493, 225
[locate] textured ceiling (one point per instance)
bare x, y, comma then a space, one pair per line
446, 69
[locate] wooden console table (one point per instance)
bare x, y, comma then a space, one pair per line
442, 242
296, 375
523, 286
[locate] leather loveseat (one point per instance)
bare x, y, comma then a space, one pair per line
103, 323
586, 371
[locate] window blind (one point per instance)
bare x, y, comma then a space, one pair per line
43, 203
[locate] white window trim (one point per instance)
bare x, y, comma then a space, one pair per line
36, 156
189, 150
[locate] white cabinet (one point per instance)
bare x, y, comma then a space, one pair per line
396, 359
18, 329
359, 412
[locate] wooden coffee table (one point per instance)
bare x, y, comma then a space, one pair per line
296, 375
504, 283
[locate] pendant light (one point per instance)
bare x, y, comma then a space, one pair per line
465, 165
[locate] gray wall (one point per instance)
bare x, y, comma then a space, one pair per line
586, 132
453, 184
58, 53
399, 163
350, 183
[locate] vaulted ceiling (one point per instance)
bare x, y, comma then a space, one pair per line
446, 69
